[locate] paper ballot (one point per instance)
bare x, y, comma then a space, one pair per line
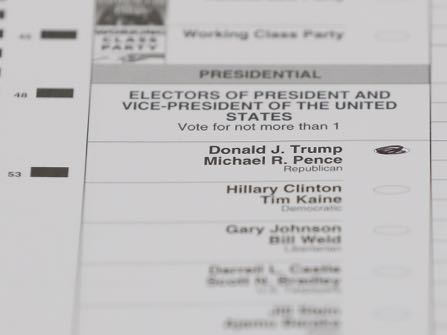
223, 167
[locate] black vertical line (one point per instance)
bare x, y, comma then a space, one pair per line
431, 268
76, 314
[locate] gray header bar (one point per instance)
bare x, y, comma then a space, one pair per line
262, 74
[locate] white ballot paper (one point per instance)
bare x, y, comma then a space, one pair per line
439, 162
222, 167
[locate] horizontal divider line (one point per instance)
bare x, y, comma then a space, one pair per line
257, 24
217, 222
200, 262
177, 304
215, 181
261, 141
